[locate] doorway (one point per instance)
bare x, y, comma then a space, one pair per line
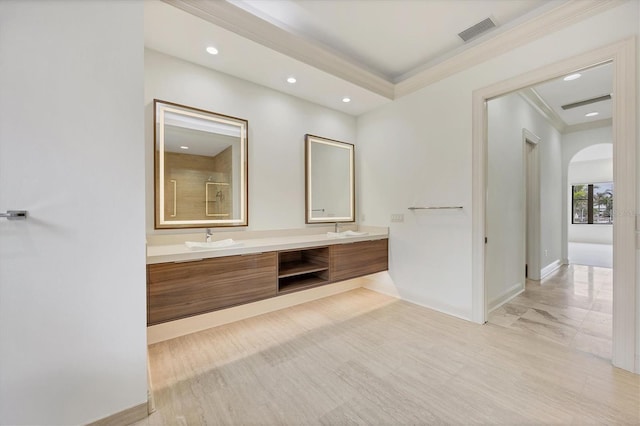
590, 188
532, 205
623, 57
571, 305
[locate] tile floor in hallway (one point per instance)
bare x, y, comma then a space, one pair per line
572, 306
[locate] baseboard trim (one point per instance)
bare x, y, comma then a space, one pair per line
125, 417
416, 299
382, 283
505, 297
386, 289
169, 330
544, 272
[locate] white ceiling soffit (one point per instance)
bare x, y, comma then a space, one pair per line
245, 24
172, 31
333, 74
387, 37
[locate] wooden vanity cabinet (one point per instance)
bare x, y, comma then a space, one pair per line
357, 259
182, 289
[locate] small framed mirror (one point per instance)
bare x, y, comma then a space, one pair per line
200, 168
330, 183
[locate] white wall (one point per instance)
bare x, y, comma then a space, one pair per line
505, 253
584, 172
424, 140
72, 277
590, 171
277, 125
412, 154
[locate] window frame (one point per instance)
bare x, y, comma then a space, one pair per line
590, 205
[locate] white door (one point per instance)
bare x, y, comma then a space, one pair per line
72, 280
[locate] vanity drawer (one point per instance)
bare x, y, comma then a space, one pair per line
178, 290
357, 259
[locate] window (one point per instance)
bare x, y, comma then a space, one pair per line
592, 203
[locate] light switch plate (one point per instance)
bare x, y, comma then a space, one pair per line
397, 217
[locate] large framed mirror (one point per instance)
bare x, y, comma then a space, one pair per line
200, 168
330, 182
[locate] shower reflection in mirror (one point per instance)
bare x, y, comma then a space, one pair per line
200, 168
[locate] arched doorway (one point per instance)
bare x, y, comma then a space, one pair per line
590, 197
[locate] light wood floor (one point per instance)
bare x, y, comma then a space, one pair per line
572, 306
365, 358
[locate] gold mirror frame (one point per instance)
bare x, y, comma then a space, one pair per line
339, 195
224, 194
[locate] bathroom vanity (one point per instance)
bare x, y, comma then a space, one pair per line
183, 282
200, 181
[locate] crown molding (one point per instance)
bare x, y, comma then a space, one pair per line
531, 96
606, 122
243, 23
564, 15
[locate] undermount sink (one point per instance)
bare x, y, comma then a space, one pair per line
213, 244
345, 234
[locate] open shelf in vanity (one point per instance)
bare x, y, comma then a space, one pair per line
302, 269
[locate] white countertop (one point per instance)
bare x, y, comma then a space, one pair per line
165, 253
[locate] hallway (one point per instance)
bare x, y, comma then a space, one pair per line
572, 306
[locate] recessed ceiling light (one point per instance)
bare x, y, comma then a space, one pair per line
291, 80
591, 114
346, 99
212, 50
184, 147
572, 77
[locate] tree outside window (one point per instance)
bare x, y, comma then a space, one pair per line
592, 203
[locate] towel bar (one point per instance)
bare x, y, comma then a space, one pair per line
437, 208
15, 214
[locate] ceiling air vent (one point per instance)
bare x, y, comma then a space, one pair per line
477, 29
587, 102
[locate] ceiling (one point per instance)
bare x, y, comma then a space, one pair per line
365, 50
207, 143
592, 84
388, 37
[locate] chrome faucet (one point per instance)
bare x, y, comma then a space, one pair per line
208, 235
337, 228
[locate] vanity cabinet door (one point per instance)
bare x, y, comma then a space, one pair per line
178, 290
357, 259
